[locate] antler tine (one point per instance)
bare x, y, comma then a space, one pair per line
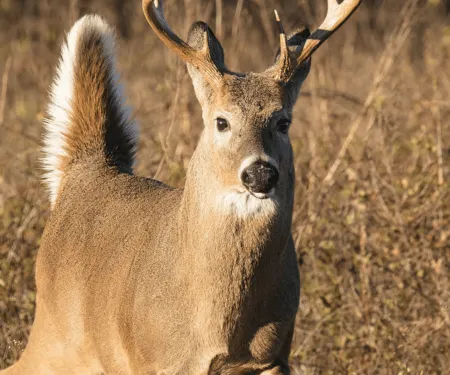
200, 59
338, 12
283, 39
285, 62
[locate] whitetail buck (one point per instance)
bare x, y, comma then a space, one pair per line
136, 277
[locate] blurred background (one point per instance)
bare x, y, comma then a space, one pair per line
372, 142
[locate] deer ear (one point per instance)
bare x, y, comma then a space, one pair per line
296, 42
196, 40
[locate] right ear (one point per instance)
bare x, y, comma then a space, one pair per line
196, 36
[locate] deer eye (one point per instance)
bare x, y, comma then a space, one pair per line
283, 126
222, 124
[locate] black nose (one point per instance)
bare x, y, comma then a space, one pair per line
260, 177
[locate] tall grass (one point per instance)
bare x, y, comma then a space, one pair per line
372, 145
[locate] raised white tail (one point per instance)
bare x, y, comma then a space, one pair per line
87, 115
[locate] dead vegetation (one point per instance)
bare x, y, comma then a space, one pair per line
372, 143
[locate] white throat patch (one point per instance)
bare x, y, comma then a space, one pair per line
244, 204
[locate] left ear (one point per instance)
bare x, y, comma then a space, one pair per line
296, 41
196, 36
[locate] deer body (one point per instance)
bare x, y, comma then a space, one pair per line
148, 299
136, 277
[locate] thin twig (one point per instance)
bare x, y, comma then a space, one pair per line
437, 118
436, 113
219, 19
237, 17
5, 79
266, 23
236, 24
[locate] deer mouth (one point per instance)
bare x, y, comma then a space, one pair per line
260, 195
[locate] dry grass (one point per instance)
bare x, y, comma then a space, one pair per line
372, 214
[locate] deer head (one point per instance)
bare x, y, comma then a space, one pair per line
247, 116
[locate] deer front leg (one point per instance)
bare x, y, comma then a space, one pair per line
281, 365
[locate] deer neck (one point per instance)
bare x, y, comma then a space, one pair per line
228, 254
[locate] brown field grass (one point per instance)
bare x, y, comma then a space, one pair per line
372, 144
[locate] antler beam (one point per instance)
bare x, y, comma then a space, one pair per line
200, 59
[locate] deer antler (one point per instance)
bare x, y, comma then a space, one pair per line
200, 59
338, 12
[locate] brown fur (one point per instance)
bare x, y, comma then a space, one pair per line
135, 277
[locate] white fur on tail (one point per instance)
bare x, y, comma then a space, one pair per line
61, 96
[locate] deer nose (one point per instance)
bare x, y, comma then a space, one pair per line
260, 177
